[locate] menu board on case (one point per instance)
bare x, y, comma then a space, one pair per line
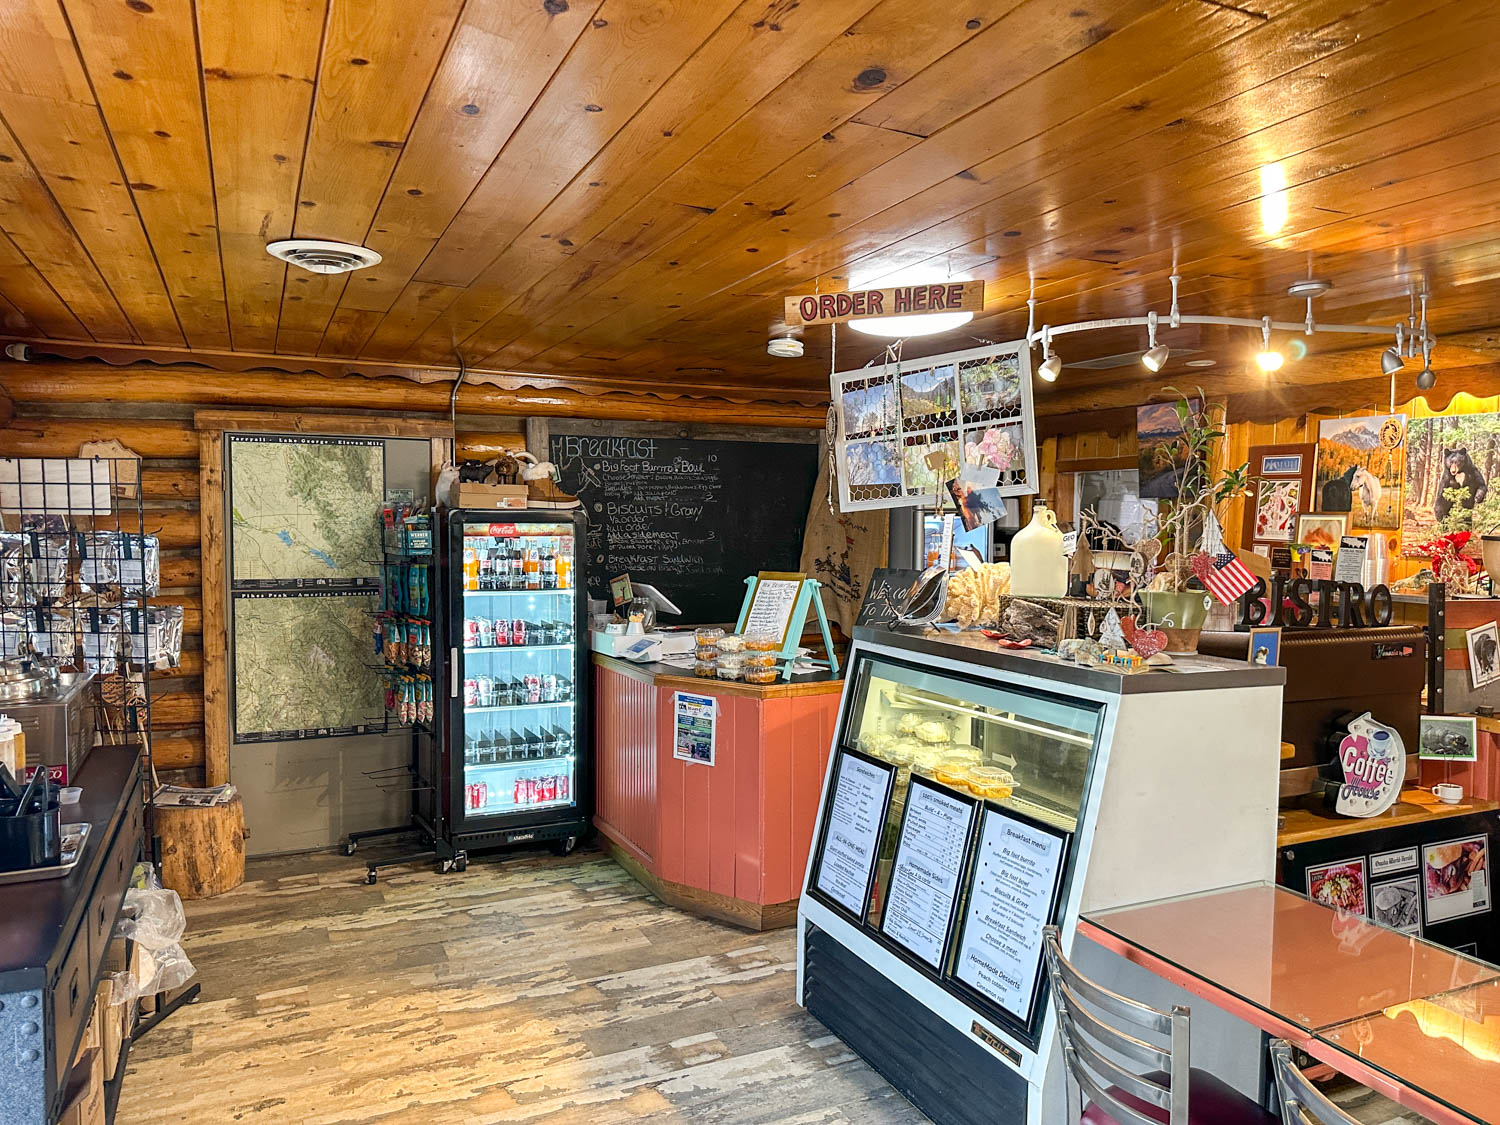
856, 816
1016, 876
924, 877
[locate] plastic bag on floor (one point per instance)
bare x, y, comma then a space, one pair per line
154, 920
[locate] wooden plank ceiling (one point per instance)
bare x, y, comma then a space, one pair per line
625, 188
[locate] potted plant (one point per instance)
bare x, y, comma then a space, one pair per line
1176, 599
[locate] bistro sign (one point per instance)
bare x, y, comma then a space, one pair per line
904, 300
1289, 604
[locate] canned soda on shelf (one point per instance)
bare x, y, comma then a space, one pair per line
549, 688
533, 689
471, 692
471, 632
482, 795
485, 686
518, 632
562, 788
519, 791
486, 633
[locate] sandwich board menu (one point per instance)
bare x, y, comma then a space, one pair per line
856, 816
924, 877
1015, 887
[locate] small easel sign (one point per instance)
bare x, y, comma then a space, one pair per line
776, 605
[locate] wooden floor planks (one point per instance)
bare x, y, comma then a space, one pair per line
536, 990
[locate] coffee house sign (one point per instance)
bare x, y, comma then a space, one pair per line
903, 300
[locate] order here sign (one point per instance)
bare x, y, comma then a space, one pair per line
831, 308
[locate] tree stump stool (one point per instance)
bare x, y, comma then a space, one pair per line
202, 849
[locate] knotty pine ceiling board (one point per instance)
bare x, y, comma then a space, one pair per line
624, 189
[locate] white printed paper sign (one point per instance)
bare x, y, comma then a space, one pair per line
856, 815
1456, 878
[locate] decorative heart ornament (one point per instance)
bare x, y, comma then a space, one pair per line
1202, 566
1148, 641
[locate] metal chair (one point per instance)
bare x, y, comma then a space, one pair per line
1302, 1103
1102, 1091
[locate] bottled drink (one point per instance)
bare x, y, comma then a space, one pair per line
517, 578
549, 570
533, 570
471, 569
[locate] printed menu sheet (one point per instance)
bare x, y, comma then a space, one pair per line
856, 816
924, 877
1015, 881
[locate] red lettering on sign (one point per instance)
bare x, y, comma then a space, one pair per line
875, 302
827, 306
936, 295
807, 308
919, 297
955, 296
859, 303
843, 303
903, 300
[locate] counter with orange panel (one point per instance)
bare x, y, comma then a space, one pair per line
729, 839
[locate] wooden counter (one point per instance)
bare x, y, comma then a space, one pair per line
728, 840
1415, 807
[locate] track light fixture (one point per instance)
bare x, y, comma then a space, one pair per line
1051, 366
1269, 358
1155, 356
1427, 377
1390, 359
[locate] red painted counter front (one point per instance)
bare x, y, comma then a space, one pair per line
729, 840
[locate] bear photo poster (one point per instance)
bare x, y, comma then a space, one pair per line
1450, 463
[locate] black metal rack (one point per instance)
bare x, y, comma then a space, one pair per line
412, 666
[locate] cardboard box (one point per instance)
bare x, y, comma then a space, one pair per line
115, 956
114, 1027
489, 495
84, 1102
90, 1040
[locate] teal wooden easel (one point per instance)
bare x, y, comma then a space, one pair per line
808, 597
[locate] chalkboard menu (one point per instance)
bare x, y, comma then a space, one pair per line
692, 517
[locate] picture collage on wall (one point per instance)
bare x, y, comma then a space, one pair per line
1409, 888
906, 430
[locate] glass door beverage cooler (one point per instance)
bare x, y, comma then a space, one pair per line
517, 759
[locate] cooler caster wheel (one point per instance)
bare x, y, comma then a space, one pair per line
461, 862
349, 846
370, 878
564, 847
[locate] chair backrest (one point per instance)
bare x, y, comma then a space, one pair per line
1098, 1027
1302, 1103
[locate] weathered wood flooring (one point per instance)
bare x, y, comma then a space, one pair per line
534, 990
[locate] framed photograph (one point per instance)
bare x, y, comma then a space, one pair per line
1398, 904
1448, 738
1360, 464
1456, 878
1281, 479
1339, 885
1322, 529
1484, 666
620, 592
1265, 647
1450, 461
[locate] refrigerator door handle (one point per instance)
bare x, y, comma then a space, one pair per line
453, 673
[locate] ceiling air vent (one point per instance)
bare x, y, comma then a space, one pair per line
323, 257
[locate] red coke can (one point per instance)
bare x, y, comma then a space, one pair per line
471, 632
562, 788
519, 796
518, 632
471, 692
533, 689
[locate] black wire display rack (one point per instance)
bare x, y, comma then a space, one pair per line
78, 569
406, 635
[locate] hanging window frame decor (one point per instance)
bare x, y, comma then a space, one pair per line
894, 416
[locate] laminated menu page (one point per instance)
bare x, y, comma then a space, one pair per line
1015, 883
924, 877
856, 815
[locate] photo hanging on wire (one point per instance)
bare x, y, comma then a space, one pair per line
908, 428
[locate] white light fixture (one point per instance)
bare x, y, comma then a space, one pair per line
784, 347
1155, 356
1051, 366
920, 324
1269, 358
323, 257
1273, 205
1202, 363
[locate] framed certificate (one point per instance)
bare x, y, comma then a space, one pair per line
1014, 891
852, 826
932, 851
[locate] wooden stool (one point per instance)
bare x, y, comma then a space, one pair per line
202, 849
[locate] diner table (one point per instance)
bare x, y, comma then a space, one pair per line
1409, 1019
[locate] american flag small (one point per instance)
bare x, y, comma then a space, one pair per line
1229, 578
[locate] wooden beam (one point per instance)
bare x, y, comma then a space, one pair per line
61, 437
275, 422
1096, 464
215, 635
179, 750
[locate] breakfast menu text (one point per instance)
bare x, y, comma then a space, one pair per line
1015, 882
924, 878
856, 814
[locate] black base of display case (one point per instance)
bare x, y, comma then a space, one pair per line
942, 1072
566, 834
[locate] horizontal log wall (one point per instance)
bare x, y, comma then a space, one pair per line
161, 430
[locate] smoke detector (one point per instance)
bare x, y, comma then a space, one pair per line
323, 257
